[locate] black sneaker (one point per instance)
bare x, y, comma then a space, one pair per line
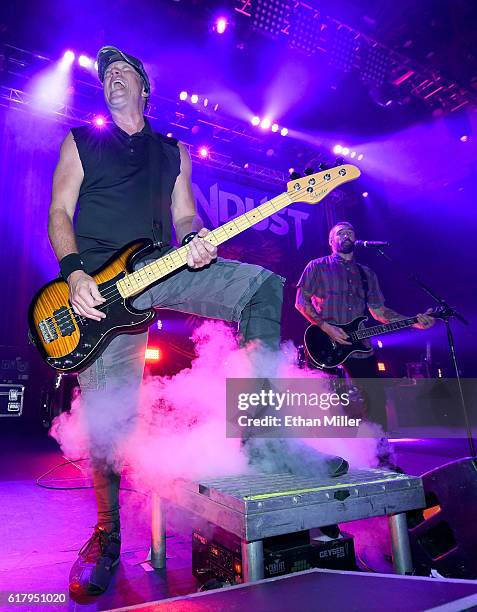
337, 466
93, 569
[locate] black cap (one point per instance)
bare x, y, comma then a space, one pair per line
107, 55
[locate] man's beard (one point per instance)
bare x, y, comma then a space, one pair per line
346, 247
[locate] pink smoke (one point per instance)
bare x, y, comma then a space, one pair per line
178, 429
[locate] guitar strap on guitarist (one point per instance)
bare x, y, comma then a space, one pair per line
365, 283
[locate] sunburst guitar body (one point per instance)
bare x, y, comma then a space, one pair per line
69, 342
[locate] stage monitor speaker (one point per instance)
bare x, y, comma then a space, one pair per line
444, 535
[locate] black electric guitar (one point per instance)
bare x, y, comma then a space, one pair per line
69, 342
326, 353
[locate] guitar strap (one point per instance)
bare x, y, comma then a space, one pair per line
154, 163
365, 283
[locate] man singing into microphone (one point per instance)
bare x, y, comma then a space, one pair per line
333, 289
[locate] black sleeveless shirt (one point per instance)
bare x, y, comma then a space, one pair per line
126, 190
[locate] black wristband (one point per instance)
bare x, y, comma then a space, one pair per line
188, 237
70, 263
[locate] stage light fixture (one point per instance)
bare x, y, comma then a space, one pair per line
216, 107
360, 157
352, 154
365, 194
270, 16
204, 152
205, 102
99, 121
337, 149
291, 170
153, 354
306, 29
85, 62
169, 134
221, 25
345, 150
381, 366
375, 65
183, 95
159, 324
343, 47
255, 120
284, 131
265, 123
68, 57
194, 98
275, 127
464, 138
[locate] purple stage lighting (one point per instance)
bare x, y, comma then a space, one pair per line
85, 61
345, 150
360, 157
169, 134
464, 138
352, 154
68, 57
255, 120
183, 95
221, 25
99, 121
204, 152
284, 131
194, 98
265, 123
337, 149
365, 194
52, 86
206, 101
275, 127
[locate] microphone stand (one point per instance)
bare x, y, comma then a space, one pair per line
446, 313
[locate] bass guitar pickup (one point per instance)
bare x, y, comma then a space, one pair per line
61, 321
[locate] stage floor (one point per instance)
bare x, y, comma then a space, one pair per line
42, 529
328, 590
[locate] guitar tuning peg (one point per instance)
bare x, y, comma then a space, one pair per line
323, 166
309, 171
339, 161
294, 176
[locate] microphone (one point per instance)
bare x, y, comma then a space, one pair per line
366, 244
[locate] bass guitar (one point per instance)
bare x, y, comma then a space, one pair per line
326, 353
69, 342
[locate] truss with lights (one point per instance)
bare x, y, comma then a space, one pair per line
179, 118
309, 31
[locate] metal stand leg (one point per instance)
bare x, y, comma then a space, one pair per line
402, 559
252, 560
158, 533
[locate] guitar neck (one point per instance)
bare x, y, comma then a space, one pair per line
377, 330
138, 281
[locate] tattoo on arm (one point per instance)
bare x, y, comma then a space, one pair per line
383, 314
304, 305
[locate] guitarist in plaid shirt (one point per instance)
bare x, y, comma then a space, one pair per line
331, 290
